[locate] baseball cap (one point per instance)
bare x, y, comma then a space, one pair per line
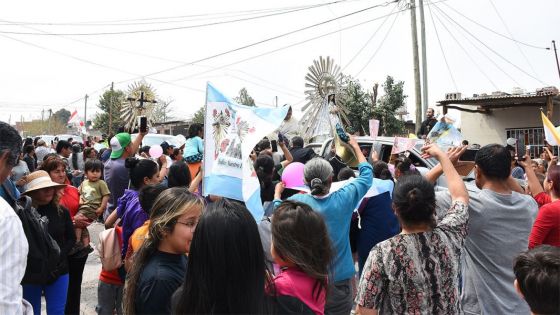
118, 143
165, 145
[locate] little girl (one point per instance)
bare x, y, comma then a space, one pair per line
301, 247
194, 148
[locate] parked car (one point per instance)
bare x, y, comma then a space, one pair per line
156, 139
384, 146
76, 138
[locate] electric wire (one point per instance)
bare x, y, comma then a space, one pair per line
369, 40
378, 47
177, 27
203, 15
285, 47
442, 50
466, 53
491, 30
490, 48
481, 51
511, 35
272, 38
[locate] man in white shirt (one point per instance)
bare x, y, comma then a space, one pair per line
290, 126
13, 247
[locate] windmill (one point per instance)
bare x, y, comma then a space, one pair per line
141, 101
324, 106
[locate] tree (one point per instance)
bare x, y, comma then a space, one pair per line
110, 100
244, 98
62, 115
360, 108
162, 111
388, 105
198, 116
358, 105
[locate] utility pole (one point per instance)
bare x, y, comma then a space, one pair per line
416, 65
111, 110
43, 121
22, 127
85, 112
276, 98
424, 58
50, 114
556, 54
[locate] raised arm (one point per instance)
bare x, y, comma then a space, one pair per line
287, 155
533, 182
454, 154
455, 183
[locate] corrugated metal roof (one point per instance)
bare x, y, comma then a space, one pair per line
501, 98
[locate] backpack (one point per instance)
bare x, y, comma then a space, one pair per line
44, 252
109, 248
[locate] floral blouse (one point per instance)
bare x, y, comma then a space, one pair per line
417, 273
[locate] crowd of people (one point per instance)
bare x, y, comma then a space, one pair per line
376, 239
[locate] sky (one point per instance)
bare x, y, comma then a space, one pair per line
41, 72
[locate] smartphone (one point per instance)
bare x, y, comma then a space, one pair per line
521, 148
281, 138
143, 124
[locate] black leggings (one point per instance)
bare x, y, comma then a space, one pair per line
75, 271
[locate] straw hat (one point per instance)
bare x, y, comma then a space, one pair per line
39, 180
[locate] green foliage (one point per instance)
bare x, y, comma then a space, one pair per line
387, 107
244, 98
198, 116
110, 100
358, 102
162, 111
62, 115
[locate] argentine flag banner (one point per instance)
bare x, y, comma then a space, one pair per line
231, 132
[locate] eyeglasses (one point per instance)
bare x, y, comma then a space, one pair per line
191, 225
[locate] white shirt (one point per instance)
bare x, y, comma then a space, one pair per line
289, 128
13, 260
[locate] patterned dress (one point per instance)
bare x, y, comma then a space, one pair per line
417, 273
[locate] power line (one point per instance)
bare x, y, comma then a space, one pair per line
491, 30
286, 47
172, 28
369, 40
273, 38
443, 51
483, 53
466, 53
227, 13
490, 48
378, 47
509, 32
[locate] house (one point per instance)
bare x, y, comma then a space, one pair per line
174, 127
494, 118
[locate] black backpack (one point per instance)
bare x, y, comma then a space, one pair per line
44, 252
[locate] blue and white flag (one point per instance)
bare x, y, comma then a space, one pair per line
231, 132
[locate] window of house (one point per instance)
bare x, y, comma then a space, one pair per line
534, 137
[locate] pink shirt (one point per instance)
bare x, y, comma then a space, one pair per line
296, 283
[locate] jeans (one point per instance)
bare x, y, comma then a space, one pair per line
109, 298
55, 295
339, 298
75, 272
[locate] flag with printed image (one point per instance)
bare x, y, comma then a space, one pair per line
231, 131
402, 145
551, 133
445, 134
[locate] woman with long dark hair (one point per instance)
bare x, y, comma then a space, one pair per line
226, 272
43, 193
160, 264
417, 271
70, 199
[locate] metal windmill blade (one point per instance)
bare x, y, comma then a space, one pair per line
323, 79
131, 108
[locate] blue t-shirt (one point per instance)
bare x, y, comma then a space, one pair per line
337, 209
193, 146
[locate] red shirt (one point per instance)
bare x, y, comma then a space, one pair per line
112, 277
71, 200
546, 229
542, 199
